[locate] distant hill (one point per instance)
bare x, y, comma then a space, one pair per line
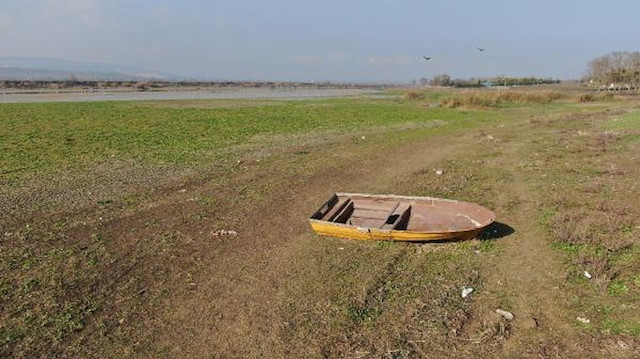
26, 68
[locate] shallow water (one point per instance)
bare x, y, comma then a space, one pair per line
283, 94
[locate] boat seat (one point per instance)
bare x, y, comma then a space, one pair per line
371, 214
333, 212
398, 218
344, 213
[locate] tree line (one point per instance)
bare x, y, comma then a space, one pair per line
447, 81
617, 69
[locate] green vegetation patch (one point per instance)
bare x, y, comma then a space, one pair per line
630, 120
53, 136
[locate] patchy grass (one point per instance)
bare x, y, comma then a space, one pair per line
585, 175
108, 277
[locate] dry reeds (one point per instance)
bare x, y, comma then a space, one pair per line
414, 95
478, 99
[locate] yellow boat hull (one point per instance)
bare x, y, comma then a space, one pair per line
334, 230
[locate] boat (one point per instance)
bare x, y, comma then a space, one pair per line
399, 218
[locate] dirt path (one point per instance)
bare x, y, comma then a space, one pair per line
237, 308
526, 277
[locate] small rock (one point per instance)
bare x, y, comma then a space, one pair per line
466, 292
364, 138
505, 314
476, 251
183, 190
439, 172
490, 138
341, 248
583, 320
224, 232
587, 274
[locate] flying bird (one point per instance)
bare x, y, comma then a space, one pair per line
480, 49
427, 57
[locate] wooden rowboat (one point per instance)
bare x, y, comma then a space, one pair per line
399, 218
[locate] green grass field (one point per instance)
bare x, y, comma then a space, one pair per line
46, 137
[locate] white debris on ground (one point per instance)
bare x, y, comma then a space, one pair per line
341, 248
505, 314
466, 292
224, 232
587, 274
583, 320
439, 172
183, 190
364, 138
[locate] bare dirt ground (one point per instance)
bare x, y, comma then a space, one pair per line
170, 284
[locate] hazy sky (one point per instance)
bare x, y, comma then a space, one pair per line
373, 40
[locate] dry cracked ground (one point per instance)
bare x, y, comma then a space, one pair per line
218, 260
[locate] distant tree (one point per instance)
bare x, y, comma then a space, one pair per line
619, 68
423, 81
441, 80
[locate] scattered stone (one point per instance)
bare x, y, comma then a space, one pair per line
466, 292
490, 138
183, 190
476, 251
583, 320
587, 274
622, 344
505, 314
439, 172
224, 232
